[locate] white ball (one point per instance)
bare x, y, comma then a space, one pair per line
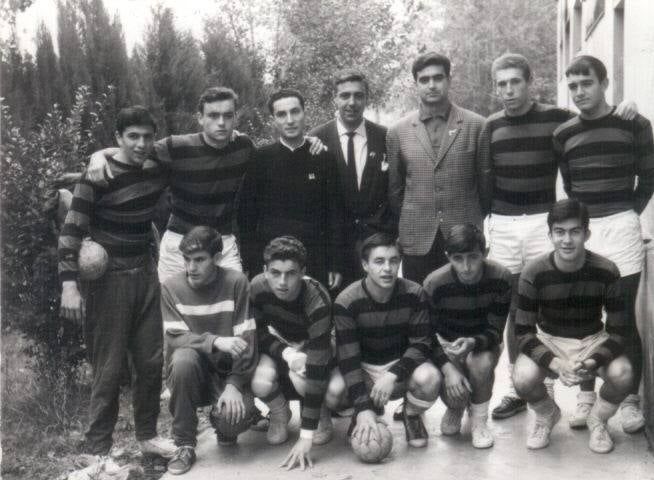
92, 261
374, 451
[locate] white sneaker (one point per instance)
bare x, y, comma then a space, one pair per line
600, 441
540, 434
585, 402
482, 436
631, 415
163, 447
451, 421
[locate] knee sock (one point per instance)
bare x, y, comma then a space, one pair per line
416, 406
601, 411
544, 407
478, 413
511, 392
276, 402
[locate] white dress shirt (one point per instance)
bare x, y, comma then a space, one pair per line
360, 146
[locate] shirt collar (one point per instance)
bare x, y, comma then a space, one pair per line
304, 141
442, 111
360, 130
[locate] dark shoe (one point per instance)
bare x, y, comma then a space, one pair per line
416, 433
508, 407
182, 461
259, 423
225, 440
398, 414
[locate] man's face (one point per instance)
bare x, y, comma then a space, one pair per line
587, 91
568, 238
201, 267
350, 101
468, 266
288, 118
382, 266
136, 143
284, 278
217, 120
433, 85
513, 89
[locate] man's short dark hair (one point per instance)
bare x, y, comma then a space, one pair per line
202, 239
283, 248
216, 94
512, 60
464, 238
565, 210
430, 58
583, 64
284, 93
350, 75
378, 240
134, 115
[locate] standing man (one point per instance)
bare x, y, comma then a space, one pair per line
288, 191
608, 163
439, 169
359, 146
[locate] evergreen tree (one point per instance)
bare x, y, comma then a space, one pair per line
49, 84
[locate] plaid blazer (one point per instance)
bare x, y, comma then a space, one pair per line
430, 190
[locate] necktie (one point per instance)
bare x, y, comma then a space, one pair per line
351, 162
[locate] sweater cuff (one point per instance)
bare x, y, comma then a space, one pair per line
306, 434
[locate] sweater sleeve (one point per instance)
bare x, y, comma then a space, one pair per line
644, 146
615, 326
244, 327
419, 349
498, 310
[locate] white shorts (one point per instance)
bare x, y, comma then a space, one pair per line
171, 260
572, 349
514, 241
619, 238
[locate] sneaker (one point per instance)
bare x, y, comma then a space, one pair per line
540, 434
482, 436
631, 415
182, 461
398, 414
451, 422
416, 433
278, 429
600, 440
162, 447
585, 402
325, 431
259, 423
508, 407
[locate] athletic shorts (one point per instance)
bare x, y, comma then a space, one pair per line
171, 260
515, 240
573, 349
619, 238
372, 373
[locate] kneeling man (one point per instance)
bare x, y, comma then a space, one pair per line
383, 342
211, 345
560, 331
469, 300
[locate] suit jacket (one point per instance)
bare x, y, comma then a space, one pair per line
366, 209
432, 190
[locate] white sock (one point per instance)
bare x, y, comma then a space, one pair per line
544, 407
602, 411
511, 392
478, 413
586, 397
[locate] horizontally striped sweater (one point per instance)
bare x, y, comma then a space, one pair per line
569, 304
118, 217
600, 160
478, 311
306, 321
195, 317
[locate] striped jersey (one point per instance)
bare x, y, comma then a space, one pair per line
204, 180
569, 305
117, 216
195, 317
523, 165
305, 323
478, 311
378, 333
600, 160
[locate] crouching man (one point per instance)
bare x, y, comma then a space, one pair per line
560, 331
468, 302
293, 313
211, 346
383, 341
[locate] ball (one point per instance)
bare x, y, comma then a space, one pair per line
92, 261
374, 451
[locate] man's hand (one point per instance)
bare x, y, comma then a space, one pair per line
461, 347
335, 279
627, 110
568, 371
587, 369
235, 346
299, 453
367, 427
315, 145
72, 304
456, 385
296, 360
98, 170
230, 404
382, 389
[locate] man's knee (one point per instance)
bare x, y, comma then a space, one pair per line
183, 363
620, 374
426, 380
265, 377
336, 391
526, 375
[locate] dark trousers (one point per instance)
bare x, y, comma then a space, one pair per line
194, 384
417, 267
123, 317
633, 344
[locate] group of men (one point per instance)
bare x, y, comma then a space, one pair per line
326, 317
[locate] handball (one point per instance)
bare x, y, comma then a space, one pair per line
374, 451
92, 261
